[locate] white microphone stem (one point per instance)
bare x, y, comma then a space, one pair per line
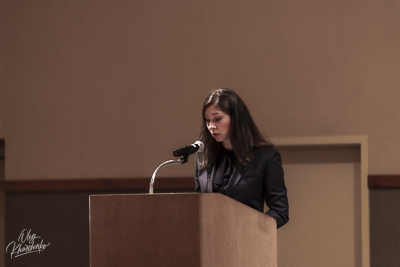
153, 177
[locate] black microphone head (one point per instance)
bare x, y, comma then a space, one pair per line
200, 144
187, 150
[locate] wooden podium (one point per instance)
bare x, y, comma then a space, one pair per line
179, 230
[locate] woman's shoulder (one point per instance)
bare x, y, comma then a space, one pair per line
266, 153
265, 149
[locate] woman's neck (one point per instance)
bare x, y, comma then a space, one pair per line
227, 145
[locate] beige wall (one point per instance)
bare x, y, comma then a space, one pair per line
110, 88
325, 192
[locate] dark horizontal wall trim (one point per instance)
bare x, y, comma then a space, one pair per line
113, 184
142, 184
383, 181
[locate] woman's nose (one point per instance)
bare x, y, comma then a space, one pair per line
211, 126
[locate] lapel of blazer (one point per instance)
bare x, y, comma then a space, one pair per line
203, 180
235, 178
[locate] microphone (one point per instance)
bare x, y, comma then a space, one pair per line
190, 149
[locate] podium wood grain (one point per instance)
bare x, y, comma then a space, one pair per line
179, 230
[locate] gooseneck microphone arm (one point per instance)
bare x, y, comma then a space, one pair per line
184, 152
162, 165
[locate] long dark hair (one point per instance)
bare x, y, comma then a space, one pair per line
244, 134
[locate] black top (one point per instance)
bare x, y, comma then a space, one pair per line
224, 167
261, 181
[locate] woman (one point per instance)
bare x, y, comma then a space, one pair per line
238, 161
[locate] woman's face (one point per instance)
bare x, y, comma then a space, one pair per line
218, 124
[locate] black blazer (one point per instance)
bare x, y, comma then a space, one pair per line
262, 180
